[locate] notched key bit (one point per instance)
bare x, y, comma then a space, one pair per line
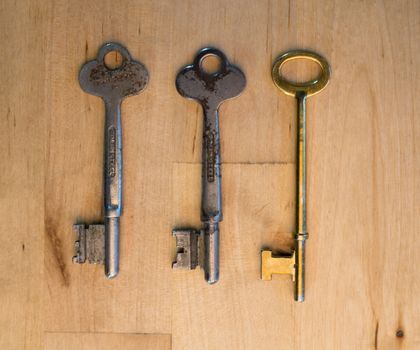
90, 244
210, 90
189, 244
100, 243
284, 265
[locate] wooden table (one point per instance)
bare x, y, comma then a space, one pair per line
363, 267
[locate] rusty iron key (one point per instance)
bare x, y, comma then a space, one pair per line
201, 247
100, 243
294, 264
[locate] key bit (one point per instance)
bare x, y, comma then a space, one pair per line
188, 244
100, 243
294, 264
90, 244
277, 265
210, 90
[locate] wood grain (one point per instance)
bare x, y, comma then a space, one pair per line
363, 269
22, 132
106, 341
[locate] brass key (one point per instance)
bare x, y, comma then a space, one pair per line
294, 264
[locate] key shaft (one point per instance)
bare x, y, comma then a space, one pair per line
211, 203
112, 185
301, 234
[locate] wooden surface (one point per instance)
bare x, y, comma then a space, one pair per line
106, 341
363, 270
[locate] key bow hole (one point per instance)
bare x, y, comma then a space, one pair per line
211, 64
113, 60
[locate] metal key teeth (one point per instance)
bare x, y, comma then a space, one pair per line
188, 244
90, 244
79, 257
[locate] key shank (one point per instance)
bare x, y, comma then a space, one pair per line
112, 184
294, 264
201, 248
99, 244
211, 198
301, 234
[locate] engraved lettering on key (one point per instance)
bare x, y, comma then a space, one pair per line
201, 247
112, 151
294, 264
211, 154
100, 243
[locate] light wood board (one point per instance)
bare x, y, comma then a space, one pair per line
106, 341
363, 268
